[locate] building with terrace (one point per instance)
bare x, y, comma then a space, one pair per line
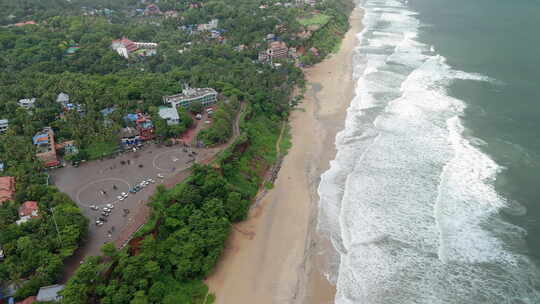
276, 50
45, 146
206, 96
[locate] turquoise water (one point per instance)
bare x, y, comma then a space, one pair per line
434, 195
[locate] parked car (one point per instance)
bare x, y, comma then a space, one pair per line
119, 197
160, 175
110, 206
94, 207
99, 223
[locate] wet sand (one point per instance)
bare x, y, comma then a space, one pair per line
273, 257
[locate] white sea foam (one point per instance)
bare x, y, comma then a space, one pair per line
408, 202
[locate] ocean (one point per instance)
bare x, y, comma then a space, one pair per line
434, 194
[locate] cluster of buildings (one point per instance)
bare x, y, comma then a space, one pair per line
206, 96
125, 47
28, 210
211, 27
140, 128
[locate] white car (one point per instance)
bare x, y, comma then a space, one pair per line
110, 206
119, 197
152, 181
122, 198
160, 175
124, 194
99, 223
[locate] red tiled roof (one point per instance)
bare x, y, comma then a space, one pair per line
7, 188
128, 44
28, 300
28, 208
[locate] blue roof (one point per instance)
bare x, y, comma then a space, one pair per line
131, 117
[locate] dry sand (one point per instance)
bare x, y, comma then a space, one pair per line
270, 257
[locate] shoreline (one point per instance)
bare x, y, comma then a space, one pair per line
272, 257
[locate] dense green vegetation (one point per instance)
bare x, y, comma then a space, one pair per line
35, 251
189, 224
221, 128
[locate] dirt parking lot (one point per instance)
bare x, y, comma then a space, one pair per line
101, 182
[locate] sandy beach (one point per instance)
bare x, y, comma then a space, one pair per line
273, 256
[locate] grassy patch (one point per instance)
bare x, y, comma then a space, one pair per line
100, 149
318, 19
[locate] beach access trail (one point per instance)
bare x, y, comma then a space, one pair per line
269, 257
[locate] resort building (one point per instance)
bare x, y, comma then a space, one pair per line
4, 124
46, 149
27, 103
7, 188
29, 210
206, 96
170, 115
124, 47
